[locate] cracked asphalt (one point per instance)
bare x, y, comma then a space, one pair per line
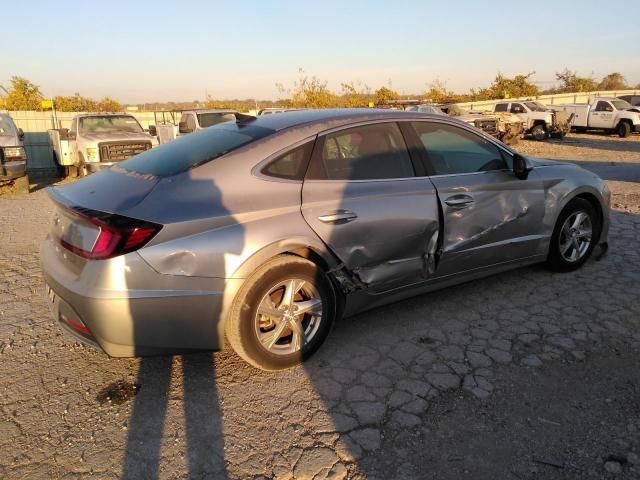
526, 374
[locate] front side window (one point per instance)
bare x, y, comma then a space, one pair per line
453, 150
620, 104
110, 123
501, 107
369, 152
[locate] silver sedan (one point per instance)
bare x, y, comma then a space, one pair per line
265, 231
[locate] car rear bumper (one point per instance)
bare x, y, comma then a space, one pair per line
128, 309
10, 169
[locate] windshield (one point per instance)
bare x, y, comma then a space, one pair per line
6, 127
210, 119
109, 123
620, 104
536, 107
195, 149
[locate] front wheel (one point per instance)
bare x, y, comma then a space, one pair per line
574, 236
538, 132
282, 314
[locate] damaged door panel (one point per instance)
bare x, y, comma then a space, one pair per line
489, 218
392, 238
362, 198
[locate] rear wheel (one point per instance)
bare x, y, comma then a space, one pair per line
624, 129
574, 236
282, 314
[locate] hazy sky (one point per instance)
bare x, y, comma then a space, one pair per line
160, 50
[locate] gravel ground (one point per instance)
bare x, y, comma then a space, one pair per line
525, 375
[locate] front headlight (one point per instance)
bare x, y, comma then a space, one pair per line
92, 154
14, 153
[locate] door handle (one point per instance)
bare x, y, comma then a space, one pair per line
459, 201
340, 216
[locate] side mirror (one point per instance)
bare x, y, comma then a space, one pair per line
182, 128
20, 134
153, 131
521, 166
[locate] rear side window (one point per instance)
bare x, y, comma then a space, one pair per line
194, 149
501, 107
369, 152
453, 150
292, 165
517, 108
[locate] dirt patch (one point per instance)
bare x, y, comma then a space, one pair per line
585, 147
565, 420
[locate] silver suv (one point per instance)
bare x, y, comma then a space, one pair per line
13, 157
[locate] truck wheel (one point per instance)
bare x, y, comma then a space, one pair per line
538, 132
624, 129
282, 313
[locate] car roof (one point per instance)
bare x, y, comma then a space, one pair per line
209, 110
335, 117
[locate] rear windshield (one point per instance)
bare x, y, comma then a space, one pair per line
209, 119
6, 127
194, 149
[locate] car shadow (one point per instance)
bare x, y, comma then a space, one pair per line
201, 441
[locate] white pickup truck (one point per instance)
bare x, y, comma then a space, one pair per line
537, 119
99, 140
604, 113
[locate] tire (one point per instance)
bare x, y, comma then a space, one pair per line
623, 130
562, 248
255, 337
538, 132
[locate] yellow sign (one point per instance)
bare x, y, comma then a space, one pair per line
46, 104
370, 104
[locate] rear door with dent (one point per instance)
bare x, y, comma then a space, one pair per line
363, 198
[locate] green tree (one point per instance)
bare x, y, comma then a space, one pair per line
75, 103
108, 105
384, 95
23, 95
355, 95
570, 82
613, 81
504, 87
310, 92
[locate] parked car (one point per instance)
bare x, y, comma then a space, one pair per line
604, 113
267, 230
194, 120
272, 110
504, 126
97, 141
538, 120
426, 108
13, 156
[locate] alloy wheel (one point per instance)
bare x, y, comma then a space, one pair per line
288, 316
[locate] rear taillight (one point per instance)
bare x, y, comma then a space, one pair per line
117, 234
